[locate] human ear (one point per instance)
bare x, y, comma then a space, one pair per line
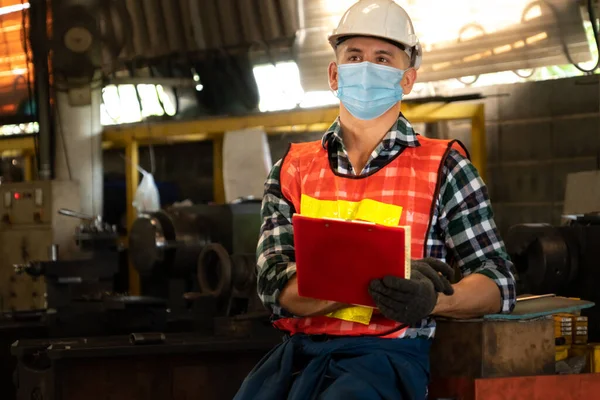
408, 80
333, 76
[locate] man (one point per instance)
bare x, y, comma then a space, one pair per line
372, 153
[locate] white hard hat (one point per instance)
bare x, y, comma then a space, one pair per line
382, 19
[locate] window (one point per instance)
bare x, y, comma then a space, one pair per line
280, 88
121, 104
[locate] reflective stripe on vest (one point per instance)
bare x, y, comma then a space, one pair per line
409, 181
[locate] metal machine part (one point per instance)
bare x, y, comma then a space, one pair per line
81, 297
220, 274
559, 259
230, 280
53, 252
200, 259
167, 241
170, 241
545, 256
85, 277
29, 225
93, 234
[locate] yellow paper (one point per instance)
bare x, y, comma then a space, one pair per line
362, 315
364, 210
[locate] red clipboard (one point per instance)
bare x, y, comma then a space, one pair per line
336, 259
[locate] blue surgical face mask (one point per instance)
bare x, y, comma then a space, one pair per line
368, 90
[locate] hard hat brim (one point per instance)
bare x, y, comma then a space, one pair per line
334, 40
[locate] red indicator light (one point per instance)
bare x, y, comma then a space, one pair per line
17, 196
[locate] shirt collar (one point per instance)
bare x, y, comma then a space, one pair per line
401, 133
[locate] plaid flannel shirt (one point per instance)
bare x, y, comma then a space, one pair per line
463, 230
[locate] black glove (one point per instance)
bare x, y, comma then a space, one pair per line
411, 300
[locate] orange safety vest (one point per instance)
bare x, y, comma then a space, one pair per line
410, 180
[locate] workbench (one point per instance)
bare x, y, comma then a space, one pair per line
183, 366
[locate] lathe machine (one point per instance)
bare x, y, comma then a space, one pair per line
196, 266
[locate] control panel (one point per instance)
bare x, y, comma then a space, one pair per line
31, 203
29, 225
23, 206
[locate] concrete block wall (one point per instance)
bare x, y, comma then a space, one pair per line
537, 133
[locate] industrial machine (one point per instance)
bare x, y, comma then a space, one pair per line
561, 260
196, 266
201, 259
29, 225
81, 295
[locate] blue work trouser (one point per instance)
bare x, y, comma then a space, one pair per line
304, 368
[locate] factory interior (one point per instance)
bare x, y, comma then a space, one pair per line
152, 150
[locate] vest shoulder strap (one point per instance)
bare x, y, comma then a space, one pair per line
443, 146
289, 175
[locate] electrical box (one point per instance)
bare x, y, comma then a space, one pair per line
29, 225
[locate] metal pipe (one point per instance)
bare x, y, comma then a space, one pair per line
75, 214
53, 252
37, 32
173, 82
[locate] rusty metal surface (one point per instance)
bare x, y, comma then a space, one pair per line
486, 349
452, 388
562, 387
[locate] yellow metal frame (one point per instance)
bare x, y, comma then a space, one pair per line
20, 146
132, 136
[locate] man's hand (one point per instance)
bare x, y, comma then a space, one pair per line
292, 302
411, 300
437, 271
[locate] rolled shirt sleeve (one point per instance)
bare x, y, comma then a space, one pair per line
470, 233
275, 249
